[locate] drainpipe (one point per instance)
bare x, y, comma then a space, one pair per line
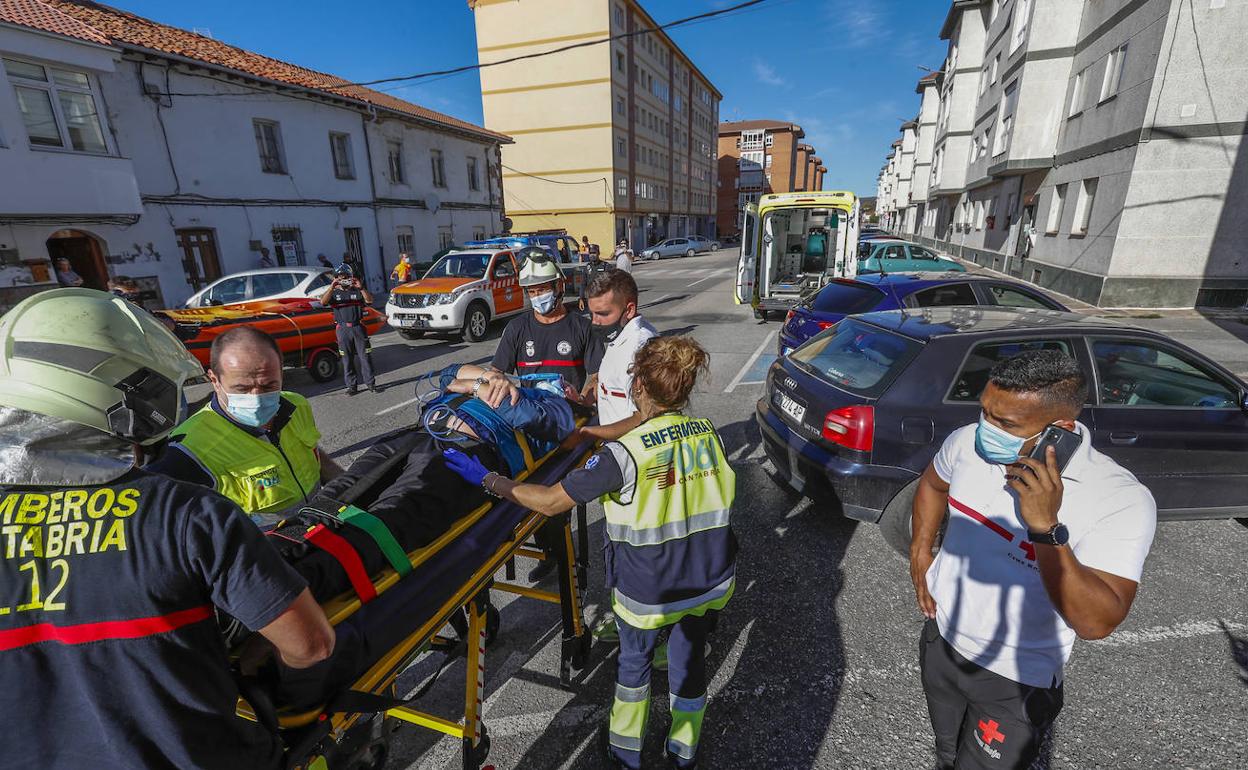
372, 183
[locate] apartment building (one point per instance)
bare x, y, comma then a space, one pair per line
613, 141
758, 157
160, 154
1102, 153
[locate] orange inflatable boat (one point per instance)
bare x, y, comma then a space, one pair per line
302, 328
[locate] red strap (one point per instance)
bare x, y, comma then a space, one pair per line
85, 633
982, 519
332, 543
552, 362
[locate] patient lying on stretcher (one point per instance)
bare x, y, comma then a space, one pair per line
402, 480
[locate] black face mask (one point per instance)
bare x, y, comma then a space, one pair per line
607, 332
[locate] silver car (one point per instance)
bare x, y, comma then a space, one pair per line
702, 243
672, 247
265, 283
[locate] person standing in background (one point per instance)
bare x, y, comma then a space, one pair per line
402, 272
347, 298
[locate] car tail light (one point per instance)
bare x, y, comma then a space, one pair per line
852, 427
789, 316
825, 324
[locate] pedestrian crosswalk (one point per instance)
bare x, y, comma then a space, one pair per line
685, 272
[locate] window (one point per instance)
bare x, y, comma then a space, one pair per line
268, 284
992, 72
1008, 296
979, 215
1083, 207
1005, 121
1057, 207
1139, 373
619, 106
1076, 93
318, 284
619, 62
340, 149
269, 144
941, 296
992, 214
996, 9
227, 291
973, 377
1113, 72
446, 239
621, 186
406, 237
621, 147
439, 171
394, 154
473, 183
57, 106
619, 16
1022, 13
983, 80
861, 359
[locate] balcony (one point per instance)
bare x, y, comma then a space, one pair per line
58, 183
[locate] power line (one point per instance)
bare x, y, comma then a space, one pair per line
574, 46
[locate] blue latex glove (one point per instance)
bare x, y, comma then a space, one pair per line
468, 467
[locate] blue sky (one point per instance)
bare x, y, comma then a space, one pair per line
844, 70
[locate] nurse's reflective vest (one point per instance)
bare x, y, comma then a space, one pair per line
251, 471
671, 552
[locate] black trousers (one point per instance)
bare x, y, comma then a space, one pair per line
357, 355
981, 719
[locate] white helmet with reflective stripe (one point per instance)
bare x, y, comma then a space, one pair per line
94, 359
539, 267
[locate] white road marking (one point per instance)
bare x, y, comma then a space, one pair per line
400, 405
1162, 633
729, 667
750, 362
656, 300
661, 271
716, 274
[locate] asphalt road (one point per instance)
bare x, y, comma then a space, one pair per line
815, 660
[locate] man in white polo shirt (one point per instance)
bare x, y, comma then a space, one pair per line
1033, 556
616, 321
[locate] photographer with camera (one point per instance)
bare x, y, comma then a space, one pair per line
1046, 541
347, 297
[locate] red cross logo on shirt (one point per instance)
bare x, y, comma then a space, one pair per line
990, 732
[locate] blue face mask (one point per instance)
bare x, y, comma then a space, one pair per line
996, 445
544, 303
253, 409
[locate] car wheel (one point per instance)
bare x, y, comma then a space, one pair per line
895, 521
690, 253
715, 246
324, 365
476, 322
411, 334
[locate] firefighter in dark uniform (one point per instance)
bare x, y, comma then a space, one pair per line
347, 297
549, 340
110, 653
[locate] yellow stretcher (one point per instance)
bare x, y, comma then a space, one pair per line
352, 731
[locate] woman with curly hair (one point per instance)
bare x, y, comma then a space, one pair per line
667, 490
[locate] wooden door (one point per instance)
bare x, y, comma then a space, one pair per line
199, 256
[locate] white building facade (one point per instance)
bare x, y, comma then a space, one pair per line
1102, 152
174, 169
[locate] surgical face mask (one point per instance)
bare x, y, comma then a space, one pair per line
253, 409
996, 445
544, 303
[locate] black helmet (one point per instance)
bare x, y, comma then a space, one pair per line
344, 270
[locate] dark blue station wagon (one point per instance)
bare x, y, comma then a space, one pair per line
864, 406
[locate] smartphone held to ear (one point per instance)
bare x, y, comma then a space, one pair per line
1064, 443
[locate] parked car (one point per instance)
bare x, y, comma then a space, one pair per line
702, 243
265, 283
902, 256
864, 406
460, 295
891, 291
672, 247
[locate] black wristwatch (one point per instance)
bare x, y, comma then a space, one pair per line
1057, 535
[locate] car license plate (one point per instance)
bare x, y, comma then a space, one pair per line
784, 351
408, 321
790, 407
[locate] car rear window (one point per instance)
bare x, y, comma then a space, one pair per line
856, 357
848, 298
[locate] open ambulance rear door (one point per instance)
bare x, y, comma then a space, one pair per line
747, 262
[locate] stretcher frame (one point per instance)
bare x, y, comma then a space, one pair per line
325, 728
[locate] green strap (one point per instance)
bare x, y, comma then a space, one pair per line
380, 533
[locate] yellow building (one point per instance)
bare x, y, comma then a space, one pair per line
614, 140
